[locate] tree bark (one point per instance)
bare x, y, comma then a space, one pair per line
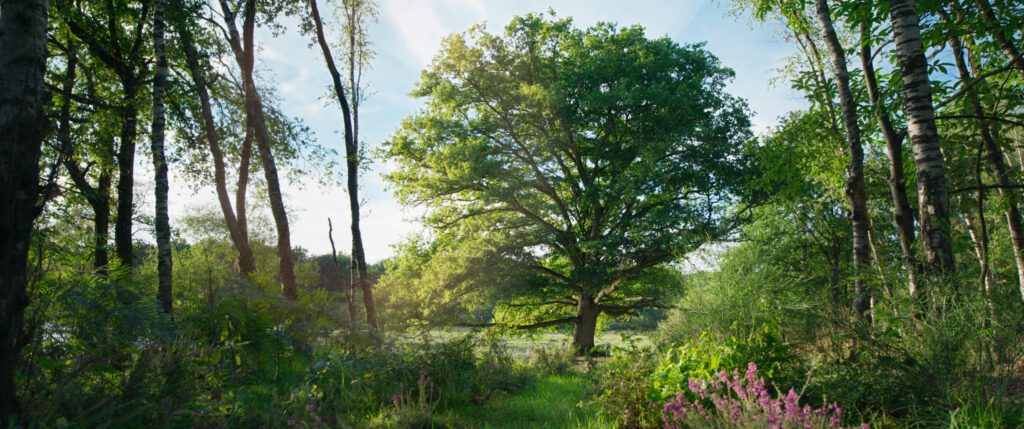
23, 125
245, 56
130, 67
341, 279
586, 325
241, 191
856, 195
933, 200
240, 239
359, 271
902, 212
101, 225
97, 196
126, 175
162, 219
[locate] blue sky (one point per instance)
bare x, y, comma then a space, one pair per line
407, 36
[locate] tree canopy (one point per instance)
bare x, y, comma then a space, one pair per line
595, 154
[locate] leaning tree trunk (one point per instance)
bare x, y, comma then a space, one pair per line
163, 227
261, 133
359, 272
902, 213
246, 260
933, 200
856, 195
586, 325
23, 125
1002, 34
996, 160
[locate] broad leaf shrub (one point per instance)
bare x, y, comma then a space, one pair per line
744, 401
708, 355
636, 382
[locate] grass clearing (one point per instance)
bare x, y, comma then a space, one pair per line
557, 401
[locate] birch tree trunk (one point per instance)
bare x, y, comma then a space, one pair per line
856, 195
162, 222
933, 200
23, 125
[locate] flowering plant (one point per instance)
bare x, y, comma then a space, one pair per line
743, 401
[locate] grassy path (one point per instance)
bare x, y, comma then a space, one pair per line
559, 401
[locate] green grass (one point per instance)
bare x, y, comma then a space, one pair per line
522, 346
559, 401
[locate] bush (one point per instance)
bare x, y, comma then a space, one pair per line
553, 360
378, 384
624, 390
708, 355
743, 401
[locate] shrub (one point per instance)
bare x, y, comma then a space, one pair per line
623, 385
351, 387
743, 401
708, 355
552, 360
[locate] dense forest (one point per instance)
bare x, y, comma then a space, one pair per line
864, 255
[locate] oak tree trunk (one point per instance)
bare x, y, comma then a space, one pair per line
23, 126
586, 325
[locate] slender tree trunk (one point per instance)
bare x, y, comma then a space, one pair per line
979, 253
162, 219
98, 197
341, 279
241, 191
1001, 34
101, 225
240, 239
126, 175
586, 325
902, 213
23, 125
933, 199
856, 195
257, 121
359, 271
996, 160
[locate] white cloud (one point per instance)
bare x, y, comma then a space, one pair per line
420, 25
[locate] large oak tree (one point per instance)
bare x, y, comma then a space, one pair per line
596, 154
